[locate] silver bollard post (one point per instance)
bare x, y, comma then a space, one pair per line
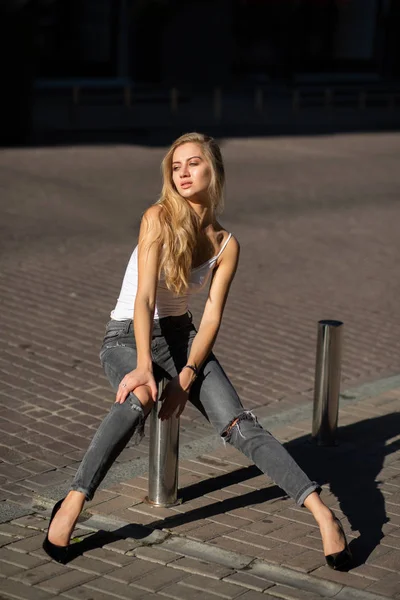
327, 382
163, 457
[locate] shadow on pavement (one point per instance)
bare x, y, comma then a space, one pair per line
350, 469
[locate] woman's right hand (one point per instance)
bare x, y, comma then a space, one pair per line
134, 379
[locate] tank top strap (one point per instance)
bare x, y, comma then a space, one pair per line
223, 246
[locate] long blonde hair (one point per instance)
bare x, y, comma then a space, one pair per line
179, 224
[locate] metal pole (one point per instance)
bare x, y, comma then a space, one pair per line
327, 382
163, 457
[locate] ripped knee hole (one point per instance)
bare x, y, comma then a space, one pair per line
246, 415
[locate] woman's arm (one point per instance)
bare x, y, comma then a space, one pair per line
148, 263
213, 311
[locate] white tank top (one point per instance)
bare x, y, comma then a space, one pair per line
167, 303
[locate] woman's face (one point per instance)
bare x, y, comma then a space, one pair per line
191, 172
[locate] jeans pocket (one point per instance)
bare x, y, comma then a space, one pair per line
114, 331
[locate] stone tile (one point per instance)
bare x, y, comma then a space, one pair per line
114, 588
344, 578
70, 578
291, 532
201, 567
182, 592
27, 545
113, 558
15, 589
90, 565
8, 570
239, 547
249, 581
253, 595
31, 521
389, 560
253, 539
267, 525
156, 580
281, 554
220, 588
84, 593
306, 561
158, 555
285, 592
208, 532
388, 586
40, 573
25, 561
133, 571
123, 546
111, 506
230, 521
14, 532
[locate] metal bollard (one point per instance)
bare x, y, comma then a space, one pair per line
327, 382
163, 457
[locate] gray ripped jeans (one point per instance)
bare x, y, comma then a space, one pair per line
212, 393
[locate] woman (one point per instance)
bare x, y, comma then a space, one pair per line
181, 247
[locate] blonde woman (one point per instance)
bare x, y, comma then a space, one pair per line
181, 248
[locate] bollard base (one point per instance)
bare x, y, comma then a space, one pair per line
147, 500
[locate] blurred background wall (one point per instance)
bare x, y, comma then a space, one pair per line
174, 42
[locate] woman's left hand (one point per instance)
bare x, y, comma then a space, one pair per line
173, 398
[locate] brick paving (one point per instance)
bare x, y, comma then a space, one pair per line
236, 535
317, 219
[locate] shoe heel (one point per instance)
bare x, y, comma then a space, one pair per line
340, 561
58, 553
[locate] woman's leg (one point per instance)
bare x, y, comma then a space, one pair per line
240, 428
214, 393
122, 423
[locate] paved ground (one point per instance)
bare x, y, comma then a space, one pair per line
236, 535
317, 218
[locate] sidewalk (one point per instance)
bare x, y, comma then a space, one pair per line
236, 535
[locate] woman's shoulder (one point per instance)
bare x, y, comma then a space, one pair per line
229, 246
152, 214
223, 236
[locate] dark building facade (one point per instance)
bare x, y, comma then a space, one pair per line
188, 42
177, 41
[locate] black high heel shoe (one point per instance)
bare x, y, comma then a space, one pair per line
57, 553
340, 561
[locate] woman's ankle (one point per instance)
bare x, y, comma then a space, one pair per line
318, 508
75, 497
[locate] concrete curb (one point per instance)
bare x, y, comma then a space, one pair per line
238, 562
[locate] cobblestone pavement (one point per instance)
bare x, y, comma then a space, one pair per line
236, 535
317, 218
